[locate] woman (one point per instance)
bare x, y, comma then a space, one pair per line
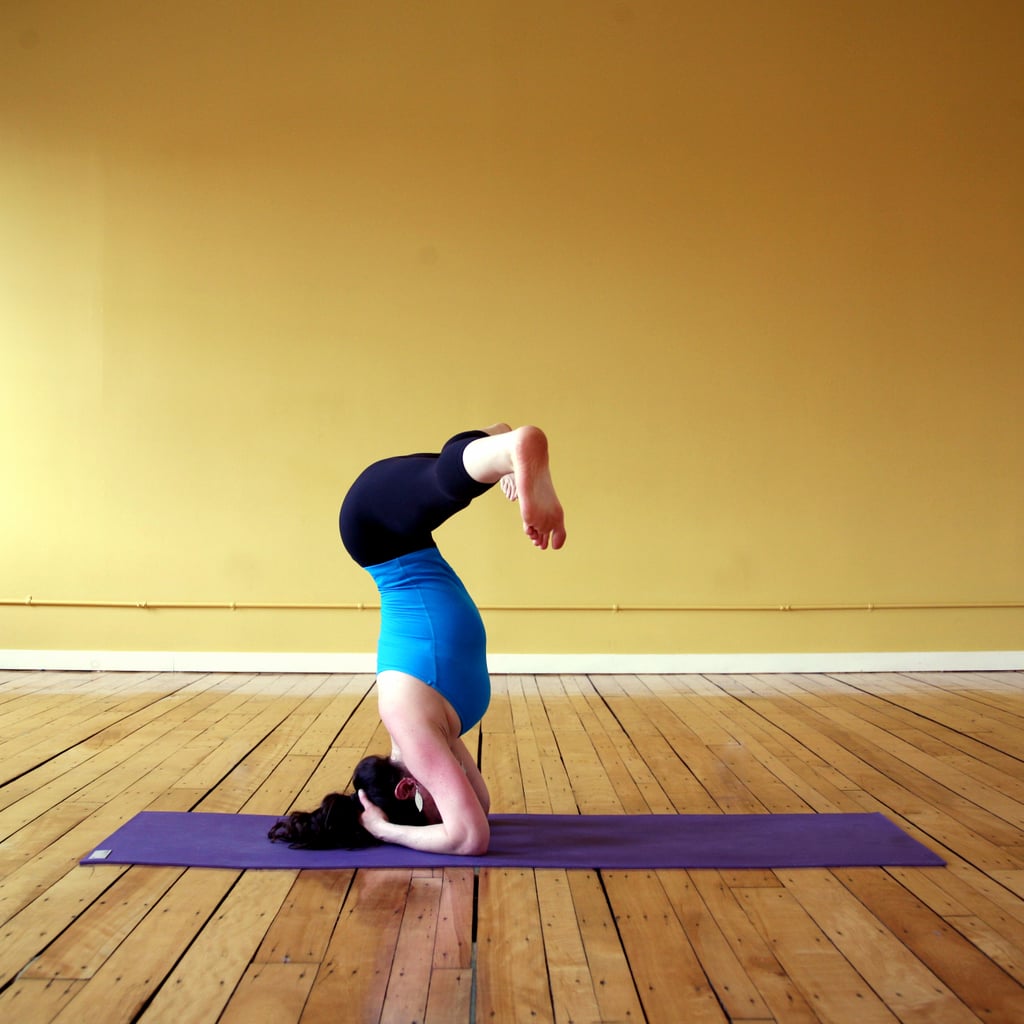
432, 680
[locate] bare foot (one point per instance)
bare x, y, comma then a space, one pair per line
508, 486
543, 518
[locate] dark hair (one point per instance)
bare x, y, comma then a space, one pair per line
335, 823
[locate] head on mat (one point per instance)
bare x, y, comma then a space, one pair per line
432, 679
336, 823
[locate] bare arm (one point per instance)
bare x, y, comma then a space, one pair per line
476, 780
429, 757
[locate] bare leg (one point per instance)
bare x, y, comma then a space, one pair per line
508, 482
521, 454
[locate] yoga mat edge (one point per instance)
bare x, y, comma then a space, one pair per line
650, 841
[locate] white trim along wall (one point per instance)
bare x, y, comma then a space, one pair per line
534, 664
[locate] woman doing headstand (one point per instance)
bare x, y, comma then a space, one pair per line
432, 679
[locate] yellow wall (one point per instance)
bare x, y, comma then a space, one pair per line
756, 267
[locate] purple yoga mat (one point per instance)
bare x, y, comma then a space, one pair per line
540, 841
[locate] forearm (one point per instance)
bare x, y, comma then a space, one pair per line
434, 838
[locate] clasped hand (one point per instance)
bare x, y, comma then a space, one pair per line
372, 817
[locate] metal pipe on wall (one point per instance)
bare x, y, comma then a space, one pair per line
881, 606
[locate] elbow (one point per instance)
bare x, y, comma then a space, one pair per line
474, 844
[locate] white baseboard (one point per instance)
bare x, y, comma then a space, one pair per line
539, 664
732, 664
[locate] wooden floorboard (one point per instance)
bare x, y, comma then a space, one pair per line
942, 754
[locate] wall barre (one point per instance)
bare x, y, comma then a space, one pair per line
360, 606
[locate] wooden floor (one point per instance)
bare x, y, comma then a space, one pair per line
943, 755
